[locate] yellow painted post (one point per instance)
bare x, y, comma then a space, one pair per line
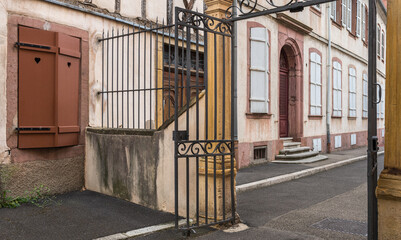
219, 68
388, 191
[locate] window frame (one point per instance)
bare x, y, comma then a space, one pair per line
378, 34
339, 110
352, 93
358, 18
249, 113
383, 45
315, 51
365, 100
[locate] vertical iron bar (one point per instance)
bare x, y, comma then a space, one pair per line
150, 77
157, 73
215, 187
197, 125
112, 79
139, 79
102, 75
205, 76
372, 126
144, 80
107, 79
233, 112
122, 78
128, 79
176, 121
188, 90
169, 71
117, 89
133, 76
182, 70
163, 88
215, 87
224, 125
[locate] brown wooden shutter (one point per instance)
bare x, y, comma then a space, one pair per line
49, 71
338, 12
68, 89
353, 19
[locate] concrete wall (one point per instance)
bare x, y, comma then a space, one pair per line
139, 165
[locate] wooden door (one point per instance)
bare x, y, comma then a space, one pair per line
283, 103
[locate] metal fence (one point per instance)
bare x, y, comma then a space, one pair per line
138, 76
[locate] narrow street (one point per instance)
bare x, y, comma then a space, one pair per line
328, 205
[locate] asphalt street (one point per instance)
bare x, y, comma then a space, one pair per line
328, 205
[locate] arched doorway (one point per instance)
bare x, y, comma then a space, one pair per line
291, 91
283, 103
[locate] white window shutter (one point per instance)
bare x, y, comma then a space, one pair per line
358, 18
259, 71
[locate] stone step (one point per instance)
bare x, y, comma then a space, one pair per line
297, 156
289, 145
287, 139
295, 150
305, 160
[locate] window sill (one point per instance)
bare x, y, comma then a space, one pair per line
365, 118
315, 117
336, 24
339, 117
351, 118
351, 34
315, 11
258, 115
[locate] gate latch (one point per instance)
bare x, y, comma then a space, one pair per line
375, 144
180, 135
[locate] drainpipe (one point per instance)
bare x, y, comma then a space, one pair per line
328, 107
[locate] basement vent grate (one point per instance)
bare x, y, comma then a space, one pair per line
260, 153
344, 226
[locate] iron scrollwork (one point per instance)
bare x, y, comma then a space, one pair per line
204, 148
249, 6
203, 21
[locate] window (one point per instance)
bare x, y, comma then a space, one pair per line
383, 102
317, 144
48, 88
353, 139
259, 71
358, 18
260, 153
383, 42
333, 13
336, 89
344, 12
352, 92
363, 27
378, 106
337, 141
378, 41
315, 84
365, 95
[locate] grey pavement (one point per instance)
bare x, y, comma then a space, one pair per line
267, 170
77, 215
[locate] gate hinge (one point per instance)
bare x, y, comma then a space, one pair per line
180, 135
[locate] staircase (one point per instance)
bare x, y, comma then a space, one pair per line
292, 152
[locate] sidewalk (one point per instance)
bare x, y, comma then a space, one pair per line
89, 215
270, 170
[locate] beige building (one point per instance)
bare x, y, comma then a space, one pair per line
291, 84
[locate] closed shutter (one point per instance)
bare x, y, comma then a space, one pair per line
315, 84
363, 27
259, 71
344, 12
48, 85
336, 89
358, 18
352, 92
365, 95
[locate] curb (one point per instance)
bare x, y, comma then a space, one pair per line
141, 231
295, 175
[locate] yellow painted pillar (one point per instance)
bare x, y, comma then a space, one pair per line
219, 127
388, 191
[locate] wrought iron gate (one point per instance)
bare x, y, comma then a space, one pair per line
203, 114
